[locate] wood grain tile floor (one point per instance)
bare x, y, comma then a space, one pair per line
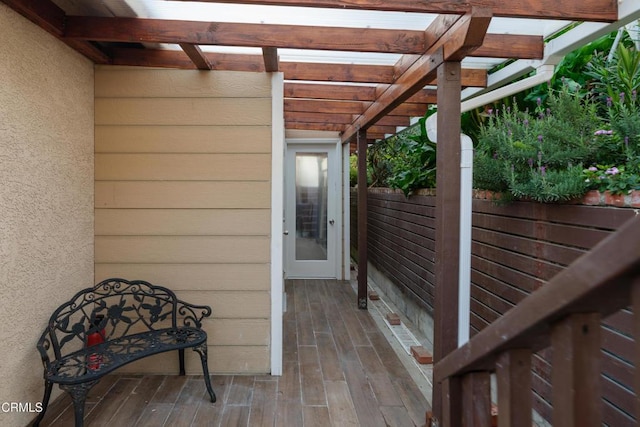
339, 370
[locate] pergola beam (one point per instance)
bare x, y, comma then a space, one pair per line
425, 96
270, 56
394, 121
325, 106
321, 72
305, 117
329, 91
584, 10
354, 73
177, 59
137, 30
462, 37
380, 130
324, 72
51, 18
514, 46
348, 92
44, 13
340, 119
333, 127
349, 107
196, 55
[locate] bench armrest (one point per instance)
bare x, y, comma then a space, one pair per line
191, 314
45, 350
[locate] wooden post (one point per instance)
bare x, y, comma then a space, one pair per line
361, 136
476, 399
447, 218
576, 371
451, 410
513, 373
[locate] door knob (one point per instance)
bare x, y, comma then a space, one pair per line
331, 221
286, 232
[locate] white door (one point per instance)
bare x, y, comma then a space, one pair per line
312, 201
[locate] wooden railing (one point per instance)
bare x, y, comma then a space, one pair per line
564, 314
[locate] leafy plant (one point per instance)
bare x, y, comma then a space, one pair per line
353, 170
378, 163
621, 75
537, 155
405, 161
616, 167
614, 179
541, 185
414, 165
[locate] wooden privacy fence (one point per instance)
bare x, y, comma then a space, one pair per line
516, 249
565, 315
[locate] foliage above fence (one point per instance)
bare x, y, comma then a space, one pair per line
578, 139
581, 135
537, 155
406, 161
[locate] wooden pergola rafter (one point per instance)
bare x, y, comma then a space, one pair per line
132, 41
585, 10
104, 40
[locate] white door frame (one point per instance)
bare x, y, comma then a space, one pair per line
335, 148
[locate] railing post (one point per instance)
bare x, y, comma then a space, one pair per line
576, 371
513, 373
476, 399
451, 401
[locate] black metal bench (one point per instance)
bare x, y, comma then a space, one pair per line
114, 323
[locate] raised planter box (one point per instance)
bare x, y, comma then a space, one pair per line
591, 198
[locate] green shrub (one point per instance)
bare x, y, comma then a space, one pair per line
537, 155
613, 179
406, 161
616, 165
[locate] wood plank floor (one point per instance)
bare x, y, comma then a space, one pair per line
339, 370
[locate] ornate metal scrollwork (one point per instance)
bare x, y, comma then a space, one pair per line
114, 323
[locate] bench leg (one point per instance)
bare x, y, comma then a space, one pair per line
202, 351
78, 393
45, 402
181, 361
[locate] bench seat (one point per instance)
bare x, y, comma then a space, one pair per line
94, 362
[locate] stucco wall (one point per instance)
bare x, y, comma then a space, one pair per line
183, 199
46, 195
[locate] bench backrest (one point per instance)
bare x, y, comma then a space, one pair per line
114, 308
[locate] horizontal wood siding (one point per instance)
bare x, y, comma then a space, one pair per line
401, 242
182, 198
516, 248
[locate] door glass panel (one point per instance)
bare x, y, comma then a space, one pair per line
311, 206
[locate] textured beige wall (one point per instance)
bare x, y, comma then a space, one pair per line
46, 195
183, 195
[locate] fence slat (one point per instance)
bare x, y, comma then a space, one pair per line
513, 374
576, 371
